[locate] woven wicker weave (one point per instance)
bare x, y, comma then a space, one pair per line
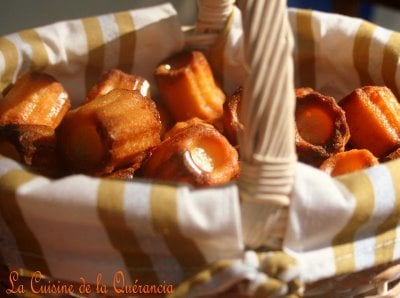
261, 22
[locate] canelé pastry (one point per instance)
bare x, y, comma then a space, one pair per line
321, 127
167, 120
393, 155
7, 148
188, 88
373, 116
349, 161
33, 145
230, 118
179, 126
117, 79
35, 99
127, 172
29, 114
109, 132
195, 153
303, 91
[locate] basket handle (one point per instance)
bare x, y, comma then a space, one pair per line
266, 141
212, 15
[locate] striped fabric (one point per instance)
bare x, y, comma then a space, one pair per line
272, 274
336, 54
358, 213
77, 51
81, 228
347, 224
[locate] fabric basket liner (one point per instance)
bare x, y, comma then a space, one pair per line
81, 226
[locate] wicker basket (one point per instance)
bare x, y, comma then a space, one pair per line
241, 246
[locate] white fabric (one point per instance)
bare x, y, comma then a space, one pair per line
320, 206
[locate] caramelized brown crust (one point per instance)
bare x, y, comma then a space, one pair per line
124, 174
321, 127
349, 161
197, 154
392, 156
33, 145
303, 91
35, 99
230, 119
117, 79
188, 88
167, 120
109, 132
182, 125
373, 116
128, 172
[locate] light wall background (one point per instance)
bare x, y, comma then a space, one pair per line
386, 17
17, 15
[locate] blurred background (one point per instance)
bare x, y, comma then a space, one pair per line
16, 15
385, 13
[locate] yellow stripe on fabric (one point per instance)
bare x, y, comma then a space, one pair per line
164, 210
362, 190
386, 232
39, 53
110, 207
276, 263
216, 52
28, 245
10, 55
361, 58
127, 40
306, 48
270, 288
96, 50
200, 278
391, 62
